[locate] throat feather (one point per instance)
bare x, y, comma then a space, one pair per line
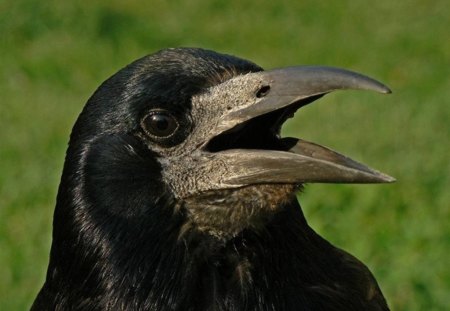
225, 213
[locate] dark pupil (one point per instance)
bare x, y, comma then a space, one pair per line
160, 124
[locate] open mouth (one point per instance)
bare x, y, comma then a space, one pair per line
261, 132
248, 138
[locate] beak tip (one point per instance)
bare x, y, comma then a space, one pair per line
383, 89
386, 90
388, 179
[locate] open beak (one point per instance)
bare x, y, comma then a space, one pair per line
249, 135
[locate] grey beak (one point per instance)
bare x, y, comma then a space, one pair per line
300, 161
306, 163
282, 87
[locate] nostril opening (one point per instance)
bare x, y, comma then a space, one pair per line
263, 91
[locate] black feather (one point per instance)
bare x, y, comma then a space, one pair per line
116, 233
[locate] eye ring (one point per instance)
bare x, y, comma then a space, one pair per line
160, 124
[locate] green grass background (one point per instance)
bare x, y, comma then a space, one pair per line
53, 54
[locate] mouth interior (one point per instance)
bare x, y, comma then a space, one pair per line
261, 132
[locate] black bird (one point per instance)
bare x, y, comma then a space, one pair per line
178, 193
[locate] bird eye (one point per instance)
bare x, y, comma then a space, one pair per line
160, 124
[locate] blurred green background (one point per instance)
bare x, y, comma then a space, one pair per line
53, 54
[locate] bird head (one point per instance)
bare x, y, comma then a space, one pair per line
200, 131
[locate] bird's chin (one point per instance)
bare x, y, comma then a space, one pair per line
224, 213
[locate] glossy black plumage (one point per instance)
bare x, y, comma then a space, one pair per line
124, 239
